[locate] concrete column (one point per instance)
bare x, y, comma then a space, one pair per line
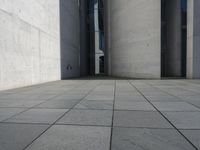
193, 39
173, 38
70, 38
135, 28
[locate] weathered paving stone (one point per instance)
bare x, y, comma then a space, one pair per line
129, 105
184, 120
90, 104
20, 103
47, 116
59, 104
148, 139
17, 136
147, 119
193, 136
174, 106
87, 117
166, 98
61, 137
6, 113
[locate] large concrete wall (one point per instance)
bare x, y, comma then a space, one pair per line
135, 38
29, 42
70, 38
193, 39
30, 45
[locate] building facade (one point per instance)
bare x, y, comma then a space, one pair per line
42, 41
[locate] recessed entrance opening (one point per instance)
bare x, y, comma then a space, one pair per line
92, 36
173, 38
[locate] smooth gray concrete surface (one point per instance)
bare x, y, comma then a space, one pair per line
69, 38
148, 139
129, 105
193, 135
17, 136
45, 116
87, 117
175, 106
193, 39
143, 119
6, 113
119, 115
73, 138
59, 104
91, 104
184, 120
30, 42
135, 38
39, 41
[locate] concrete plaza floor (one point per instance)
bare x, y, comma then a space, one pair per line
79, 115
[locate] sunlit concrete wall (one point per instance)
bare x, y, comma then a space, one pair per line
135, 36
39, 40
193, 39
29, 42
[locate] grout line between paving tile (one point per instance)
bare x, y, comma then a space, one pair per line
164, 116
58, 119
113, 112
180, 99
35, 106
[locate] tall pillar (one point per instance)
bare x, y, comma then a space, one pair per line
193, 39
135, 38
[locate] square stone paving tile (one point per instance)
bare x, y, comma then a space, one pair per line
90, 104
6, 113
69, 97
148, 139
46, 116
175, 106
130, 98
87, 117
190, 98
193, 136
4, 95
35, 97
18, 136
99, 97
156, 93
61, 137
132, 94
20, 103
184, 120
167, 98
59, 104
148, 119
195, 103
129, 105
